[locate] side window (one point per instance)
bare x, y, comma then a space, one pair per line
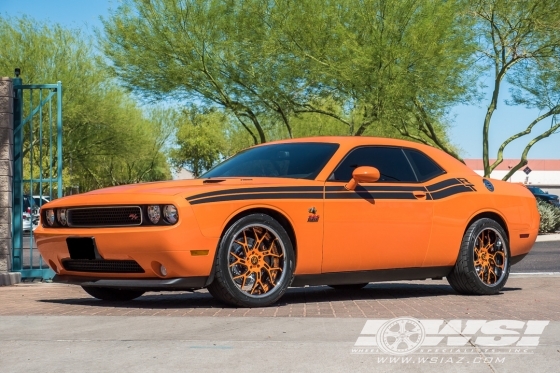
424, 167
391, 163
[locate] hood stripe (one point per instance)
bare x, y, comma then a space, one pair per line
257, 190
237, 197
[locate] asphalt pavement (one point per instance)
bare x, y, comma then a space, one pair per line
543, 257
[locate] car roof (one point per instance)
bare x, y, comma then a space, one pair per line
355, 140
348, 142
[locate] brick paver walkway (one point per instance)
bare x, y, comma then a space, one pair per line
524, 298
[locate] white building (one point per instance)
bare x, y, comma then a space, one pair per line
182, 175
544, 173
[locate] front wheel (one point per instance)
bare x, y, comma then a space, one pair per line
254, 264
483, 265
111, 294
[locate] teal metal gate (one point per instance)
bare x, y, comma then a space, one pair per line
37, 168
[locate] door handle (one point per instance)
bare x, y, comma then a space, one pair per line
419, 195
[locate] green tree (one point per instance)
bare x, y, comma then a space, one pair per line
201, 140
102, 125
520, 41
384, 67
389, 64
189, 50
146, 143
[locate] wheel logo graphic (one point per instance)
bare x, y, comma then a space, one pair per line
401, 336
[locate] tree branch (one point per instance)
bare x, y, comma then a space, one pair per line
523, 159
500, 158
311, 109
428, 129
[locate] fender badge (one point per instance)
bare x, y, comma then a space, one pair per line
313, 217
488, 185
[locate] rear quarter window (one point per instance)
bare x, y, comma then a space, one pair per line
424, 167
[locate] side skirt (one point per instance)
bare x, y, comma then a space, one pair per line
359, 277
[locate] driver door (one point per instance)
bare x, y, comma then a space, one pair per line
381, 225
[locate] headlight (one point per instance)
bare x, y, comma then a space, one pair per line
61, 216
49, 216
154, 213
170, 214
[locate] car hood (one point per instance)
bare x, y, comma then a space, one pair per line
195, 186
169, 188
165, 189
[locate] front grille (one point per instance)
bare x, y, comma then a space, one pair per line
102, 266
117, 216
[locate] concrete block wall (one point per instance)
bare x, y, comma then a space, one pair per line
6, 176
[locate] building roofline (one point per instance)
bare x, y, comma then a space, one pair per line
507, 164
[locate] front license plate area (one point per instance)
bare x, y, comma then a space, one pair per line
82, 248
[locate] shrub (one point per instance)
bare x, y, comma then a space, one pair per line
550, 217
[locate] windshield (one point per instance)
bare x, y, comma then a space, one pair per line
294, 160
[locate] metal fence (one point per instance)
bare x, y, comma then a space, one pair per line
37, 168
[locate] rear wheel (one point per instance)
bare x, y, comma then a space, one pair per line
111, 294
349, 287
254, 264
483, 265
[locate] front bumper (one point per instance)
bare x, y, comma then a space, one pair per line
149, 284
180, 248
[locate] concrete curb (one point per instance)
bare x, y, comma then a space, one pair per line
10, 278
548, 237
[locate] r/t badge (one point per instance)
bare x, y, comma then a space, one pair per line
313, 217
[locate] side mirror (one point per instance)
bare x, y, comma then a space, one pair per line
363, 174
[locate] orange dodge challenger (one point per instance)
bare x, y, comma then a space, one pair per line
337, 211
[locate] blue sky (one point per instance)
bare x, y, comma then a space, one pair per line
466, 131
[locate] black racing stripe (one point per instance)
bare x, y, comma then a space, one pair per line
467, 183
257, 190
239, 197
369, 195
436, 191
443, 184
381, 188
450, 191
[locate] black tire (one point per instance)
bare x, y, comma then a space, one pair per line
266, 287
112, 295
467, 277
348, 287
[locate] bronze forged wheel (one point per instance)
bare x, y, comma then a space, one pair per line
254, 264
483, 264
